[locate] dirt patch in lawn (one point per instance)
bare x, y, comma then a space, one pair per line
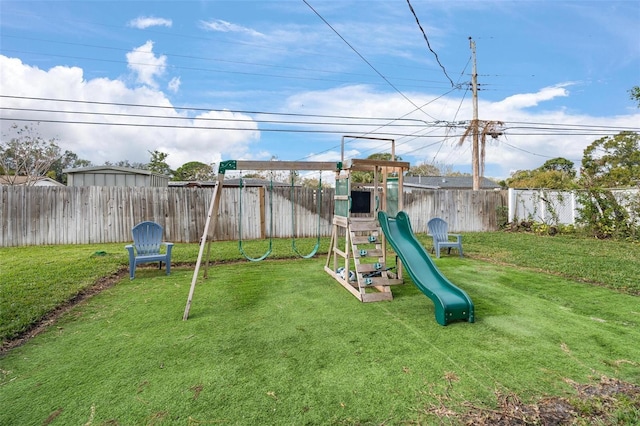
604, 401
38, 327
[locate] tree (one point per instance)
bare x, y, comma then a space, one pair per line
367, 177
634, 94
424, 169
27, 154
561, 165
313, 183
557, 173
128, 164
194, 171
68, 160
310, 183
158, 165
611, 162
255, 175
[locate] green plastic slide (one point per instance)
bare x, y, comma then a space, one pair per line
451, 303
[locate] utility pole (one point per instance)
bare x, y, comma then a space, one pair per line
475, 151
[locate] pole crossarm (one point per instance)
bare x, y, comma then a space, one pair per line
278, 165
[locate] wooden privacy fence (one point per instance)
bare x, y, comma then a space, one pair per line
85, 215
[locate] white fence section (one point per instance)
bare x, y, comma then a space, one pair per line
546, 206
555, 207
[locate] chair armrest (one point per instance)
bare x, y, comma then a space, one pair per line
132, 254
457, 236
169, 247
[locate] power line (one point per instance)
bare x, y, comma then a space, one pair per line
424, 34
173, 126
200, 69
401, 118
433, 160
191, 57
366, 61
200, 109
528, 152
201, 119
509, 128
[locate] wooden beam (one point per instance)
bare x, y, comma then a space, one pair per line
286, 165
365, 164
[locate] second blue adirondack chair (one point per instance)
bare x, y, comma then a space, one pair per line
439, 230
147, 241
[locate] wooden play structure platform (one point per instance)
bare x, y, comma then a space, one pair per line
358, 257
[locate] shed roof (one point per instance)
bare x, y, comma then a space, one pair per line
28, 181
102, 169
248, 182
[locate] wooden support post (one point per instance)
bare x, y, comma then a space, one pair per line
214, 206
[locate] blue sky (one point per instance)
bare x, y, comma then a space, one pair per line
256, 80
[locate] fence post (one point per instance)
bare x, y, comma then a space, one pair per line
543, 206
512, 204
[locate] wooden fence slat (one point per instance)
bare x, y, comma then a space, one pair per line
82, 215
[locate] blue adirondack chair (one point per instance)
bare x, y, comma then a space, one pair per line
438, 229
147, 240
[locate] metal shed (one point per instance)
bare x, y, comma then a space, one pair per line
114, 176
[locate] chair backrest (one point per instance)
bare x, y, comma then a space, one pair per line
147, 237
439, 229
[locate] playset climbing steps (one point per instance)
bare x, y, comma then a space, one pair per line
361, 267
357, 256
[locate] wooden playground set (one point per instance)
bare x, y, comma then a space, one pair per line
364, 219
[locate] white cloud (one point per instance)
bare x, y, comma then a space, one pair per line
187, 139
526, 100
212, 135
143, 22
146, 65
227, 27
520, 149
174, 84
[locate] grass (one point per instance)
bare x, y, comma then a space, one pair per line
282, 343
615, 264
35, 280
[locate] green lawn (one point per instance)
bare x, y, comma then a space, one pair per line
280, 342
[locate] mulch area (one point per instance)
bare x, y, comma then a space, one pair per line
598, 402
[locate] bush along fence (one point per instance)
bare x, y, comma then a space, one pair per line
86, 215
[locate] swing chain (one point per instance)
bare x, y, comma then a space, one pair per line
293, 220
240, 246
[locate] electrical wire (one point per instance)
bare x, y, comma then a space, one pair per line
367, 62
201, 109
509, 128
201, 119
200, 58
424, 34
